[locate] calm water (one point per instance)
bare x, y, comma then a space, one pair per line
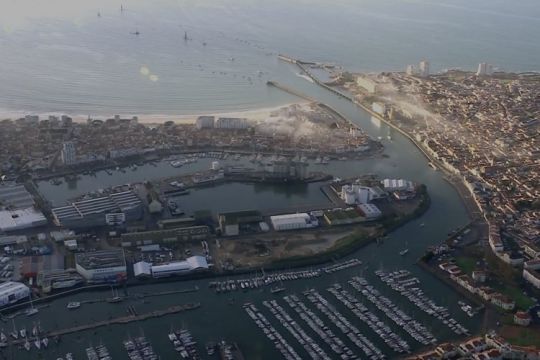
68, 60
60, 57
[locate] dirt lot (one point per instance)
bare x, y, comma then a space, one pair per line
264, 249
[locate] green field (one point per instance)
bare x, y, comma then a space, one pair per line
466, 264
523, 336
523, 302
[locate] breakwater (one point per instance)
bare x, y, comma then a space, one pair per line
118, 321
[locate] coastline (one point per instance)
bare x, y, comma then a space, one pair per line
458, 184
257, 114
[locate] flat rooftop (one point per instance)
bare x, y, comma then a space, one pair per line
16, 196
116, 202
101, 259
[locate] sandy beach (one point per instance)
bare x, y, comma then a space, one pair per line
251, 114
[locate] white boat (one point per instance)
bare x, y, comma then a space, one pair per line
45, 341
27, 345
3, 337
37, 343
73, 305
403, 252
31, 311
61, 284
22, 332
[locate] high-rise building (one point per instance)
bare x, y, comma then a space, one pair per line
205, 122
424, 68
484, 69
68, 154
411, 70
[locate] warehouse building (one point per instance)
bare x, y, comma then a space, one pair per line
166, 236
190, 265
11, 292
103, 266
17, 210
11, 220
15, 196
93, 212
398, 185
293, 221
369, 211
230, 223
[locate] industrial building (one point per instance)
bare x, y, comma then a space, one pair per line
370, 211
13, 240
17, 211
103, 266
293, 221
358, 194
11, 292
190, 265
293, 170
397, 185
166, 236
58, 279
11, 220
229, 223
93, 212
15, 196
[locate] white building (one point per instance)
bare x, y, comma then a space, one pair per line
11, 292
370, 211
102, 266
231, 123
191, 264
484, 69
398, 184
68, 153
530, 272
424, 68
11, 220
358, 194
205, 122
293, 221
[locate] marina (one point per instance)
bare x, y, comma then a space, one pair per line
140, 349
413, 327
279, 277
320, 328
407, 286
344, 325
184, 344
99, 352
312, 348
392, 340
271, 333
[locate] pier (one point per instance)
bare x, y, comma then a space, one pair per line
118, 321
289, 90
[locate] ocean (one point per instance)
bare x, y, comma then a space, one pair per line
61, 57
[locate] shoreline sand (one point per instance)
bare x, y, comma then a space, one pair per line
251, 114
